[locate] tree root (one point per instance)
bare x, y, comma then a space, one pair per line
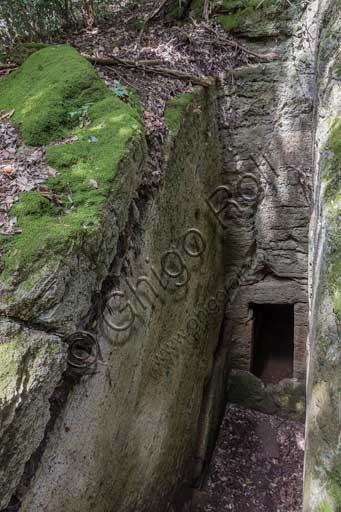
150, 67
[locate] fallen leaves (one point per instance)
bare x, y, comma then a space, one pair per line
22, 169
257, 465
8, 170
93, 183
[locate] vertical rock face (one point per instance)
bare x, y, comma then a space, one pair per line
33, 364
267, 137
323, 446
128, 434
170, 294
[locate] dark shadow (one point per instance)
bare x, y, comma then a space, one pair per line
273, 342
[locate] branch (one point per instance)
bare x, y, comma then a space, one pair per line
8, 66
206, 13
150, 67
156, 11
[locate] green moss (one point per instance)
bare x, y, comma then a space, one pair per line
324, 507
175, 111
246, 389
240, 11
50, 84
324, 345
334, 485
332, 174
290, 396
332, 196
176, 108
22, 352
251, 14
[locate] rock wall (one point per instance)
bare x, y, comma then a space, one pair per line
267, 117
323, 444
128, 434
168, 295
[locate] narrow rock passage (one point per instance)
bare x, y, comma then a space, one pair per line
257, 465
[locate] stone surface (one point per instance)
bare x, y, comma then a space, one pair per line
287, 398
323, 447
139, 417
166, 287
32, 364
266, 120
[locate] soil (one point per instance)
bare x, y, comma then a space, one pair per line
257, 465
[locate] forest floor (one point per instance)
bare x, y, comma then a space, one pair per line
198, 49
257, 465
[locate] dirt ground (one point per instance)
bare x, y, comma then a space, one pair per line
257, 465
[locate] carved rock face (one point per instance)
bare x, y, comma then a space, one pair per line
166, 287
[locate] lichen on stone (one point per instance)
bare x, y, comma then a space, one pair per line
332, 196
31, 364
334, 485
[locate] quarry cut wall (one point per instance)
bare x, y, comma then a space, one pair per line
323, 444
166, 285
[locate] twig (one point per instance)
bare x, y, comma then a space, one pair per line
121, 78
11, 233
245, 49
8, 66
156, 11
145, 66
206, 13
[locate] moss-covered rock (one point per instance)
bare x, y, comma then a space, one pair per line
56, 93
247, 390
332, 195
50, 93
175, 113
31, 365
176, 109
287, 398
323, 439
257, 18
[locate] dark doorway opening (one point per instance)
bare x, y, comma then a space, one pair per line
273, 342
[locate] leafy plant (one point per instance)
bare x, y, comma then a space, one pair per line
81, 115
118, 89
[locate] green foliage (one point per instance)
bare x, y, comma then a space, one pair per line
51, 84
25, 20
332, 175
118, 89
175, 109
334, 485
324, 507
